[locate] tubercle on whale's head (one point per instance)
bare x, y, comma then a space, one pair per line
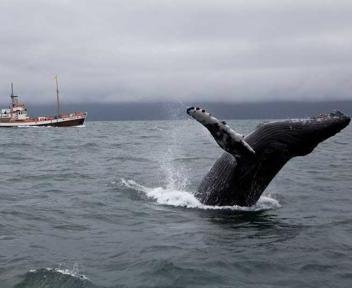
308, 133
335, 115
330, 122
325, 124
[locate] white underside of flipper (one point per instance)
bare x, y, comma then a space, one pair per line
227, 139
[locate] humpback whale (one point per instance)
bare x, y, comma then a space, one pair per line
249, 163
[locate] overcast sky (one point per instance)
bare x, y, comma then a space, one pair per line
118, 51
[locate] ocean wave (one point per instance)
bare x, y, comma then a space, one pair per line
55, 277
74, 272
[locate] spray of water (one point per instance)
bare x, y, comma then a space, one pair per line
176, 178
175, 174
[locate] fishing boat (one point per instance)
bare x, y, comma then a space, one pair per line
17, 115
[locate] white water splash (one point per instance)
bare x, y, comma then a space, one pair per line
74, 272
179, 198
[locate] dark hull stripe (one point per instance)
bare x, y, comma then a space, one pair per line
68, 123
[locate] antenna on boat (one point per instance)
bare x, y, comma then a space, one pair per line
57, 96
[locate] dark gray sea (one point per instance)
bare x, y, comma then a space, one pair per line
111, 205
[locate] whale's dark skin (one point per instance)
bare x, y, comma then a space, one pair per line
241, 174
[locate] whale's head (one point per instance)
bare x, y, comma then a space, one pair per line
298, 137
321, 127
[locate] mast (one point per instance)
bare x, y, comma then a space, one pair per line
12, 90
57, 97
12, 100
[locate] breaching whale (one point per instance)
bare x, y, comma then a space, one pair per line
250, 162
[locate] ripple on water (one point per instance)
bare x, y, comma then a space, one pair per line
62, 201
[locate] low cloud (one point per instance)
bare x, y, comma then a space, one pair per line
123, 51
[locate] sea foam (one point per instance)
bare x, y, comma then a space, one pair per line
179, 198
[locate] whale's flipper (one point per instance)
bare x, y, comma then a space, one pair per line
229, 140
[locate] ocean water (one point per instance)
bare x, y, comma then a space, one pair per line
111, 205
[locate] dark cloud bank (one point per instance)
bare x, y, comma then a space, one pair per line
173, 111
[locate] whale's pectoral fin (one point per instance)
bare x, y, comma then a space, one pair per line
229, 140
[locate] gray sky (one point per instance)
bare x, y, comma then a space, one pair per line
118, 51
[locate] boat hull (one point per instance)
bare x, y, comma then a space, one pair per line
58, 122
